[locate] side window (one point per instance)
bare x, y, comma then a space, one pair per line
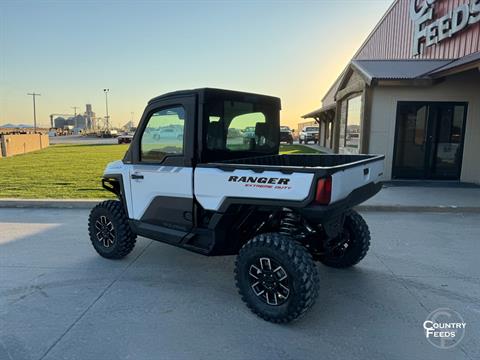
163, 135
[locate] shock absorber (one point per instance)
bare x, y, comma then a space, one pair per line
291, 224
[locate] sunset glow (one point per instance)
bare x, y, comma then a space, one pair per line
70, 51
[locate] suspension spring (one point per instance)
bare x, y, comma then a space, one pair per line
291, 224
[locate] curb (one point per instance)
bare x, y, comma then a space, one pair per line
419, 209
88, 204
48, 204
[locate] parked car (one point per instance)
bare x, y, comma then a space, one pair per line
286, 135
248, 134
170, 132
125, 138
277, 213
308, 133
107, 133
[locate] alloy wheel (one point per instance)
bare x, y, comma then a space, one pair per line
105, 231
269, 281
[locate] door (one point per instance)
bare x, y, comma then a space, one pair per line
429, 140
161, 175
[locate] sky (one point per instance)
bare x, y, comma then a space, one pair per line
69, 51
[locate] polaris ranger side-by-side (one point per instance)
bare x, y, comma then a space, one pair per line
203, 172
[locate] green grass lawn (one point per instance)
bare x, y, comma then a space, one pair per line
69, 171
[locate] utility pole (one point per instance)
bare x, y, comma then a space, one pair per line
106, 107
33, 95
75, 116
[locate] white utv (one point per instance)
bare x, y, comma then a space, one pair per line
216, 189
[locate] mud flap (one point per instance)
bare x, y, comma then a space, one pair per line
334, 226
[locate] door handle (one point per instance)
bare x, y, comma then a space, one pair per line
136, 176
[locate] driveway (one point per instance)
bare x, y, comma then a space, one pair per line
59, 300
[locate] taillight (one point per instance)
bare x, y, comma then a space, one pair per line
324, 191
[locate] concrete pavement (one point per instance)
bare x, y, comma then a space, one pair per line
60, 300
425, 198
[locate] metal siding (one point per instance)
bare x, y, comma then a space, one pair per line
392, 39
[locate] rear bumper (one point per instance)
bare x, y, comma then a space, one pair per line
286, 138
317, 214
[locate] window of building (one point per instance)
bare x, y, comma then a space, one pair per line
350, 127
163, 135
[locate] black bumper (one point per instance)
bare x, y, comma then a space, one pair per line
318, 214
286, 138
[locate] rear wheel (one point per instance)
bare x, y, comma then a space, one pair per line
109, 230
276, 277
351, 246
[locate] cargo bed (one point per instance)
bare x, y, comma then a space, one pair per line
322, 163
216, 182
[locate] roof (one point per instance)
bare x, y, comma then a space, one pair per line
317, 112
333, 88
415, 69
213, 92
396, 69
472, 59
382, 20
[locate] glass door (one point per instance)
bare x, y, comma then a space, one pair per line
410, 141
446, 138
429, 140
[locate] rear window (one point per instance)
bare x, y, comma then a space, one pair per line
242, 127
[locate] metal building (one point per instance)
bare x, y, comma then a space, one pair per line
412, 92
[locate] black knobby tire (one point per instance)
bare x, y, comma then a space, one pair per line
358, 242
121, 239
295, 260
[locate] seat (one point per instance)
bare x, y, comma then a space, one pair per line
216, 136
261, 134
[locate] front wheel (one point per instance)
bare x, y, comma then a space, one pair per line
351, 246
109, 230
276, 277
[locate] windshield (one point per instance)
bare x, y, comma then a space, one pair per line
311, 129
241, 128
284, 128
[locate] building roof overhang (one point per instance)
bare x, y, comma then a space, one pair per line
413, 72
319, 112
377, 70
465, 63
